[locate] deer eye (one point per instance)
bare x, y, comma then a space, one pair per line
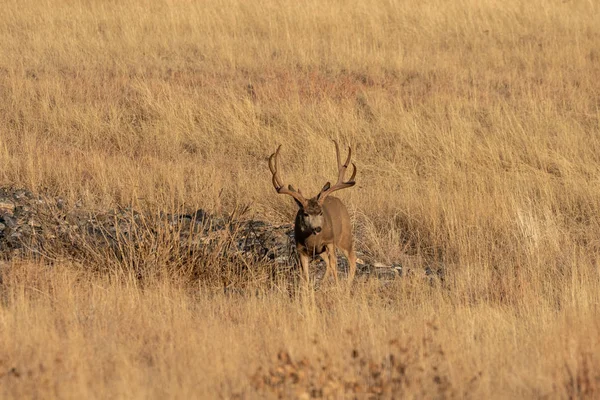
305, 214
321, 214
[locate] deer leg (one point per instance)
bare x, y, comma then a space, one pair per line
325, 257
304, 263
332, 261
351, 256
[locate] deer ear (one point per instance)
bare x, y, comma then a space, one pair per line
325, 188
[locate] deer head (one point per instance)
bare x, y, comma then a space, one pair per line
310, 214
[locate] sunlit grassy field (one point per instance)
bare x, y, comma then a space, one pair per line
475, 127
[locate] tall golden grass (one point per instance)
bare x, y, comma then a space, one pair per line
476, 131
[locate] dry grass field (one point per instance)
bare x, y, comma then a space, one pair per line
475, 126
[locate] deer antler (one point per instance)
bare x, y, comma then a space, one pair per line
278, 184
340, 184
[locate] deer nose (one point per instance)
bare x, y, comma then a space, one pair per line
317, 229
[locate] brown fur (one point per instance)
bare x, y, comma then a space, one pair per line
322, 223
336, 233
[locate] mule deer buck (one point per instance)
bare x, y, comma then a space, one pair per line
322, 223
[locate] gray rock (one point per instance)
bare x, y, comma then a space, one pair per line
36, 226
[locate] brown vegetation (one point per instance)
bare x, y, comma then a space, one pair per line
475, 127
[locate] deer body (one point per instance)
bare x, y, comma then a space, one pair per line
322, 223
336, 233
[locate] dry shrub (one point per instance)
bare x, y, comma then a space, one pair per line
183, 247
583, 381
474, 126
413, 367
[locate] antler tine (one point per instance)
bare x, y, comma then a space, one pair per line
340, 184
278, 184
353, 173
337, 153
274, 167
342, 167
349, 157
